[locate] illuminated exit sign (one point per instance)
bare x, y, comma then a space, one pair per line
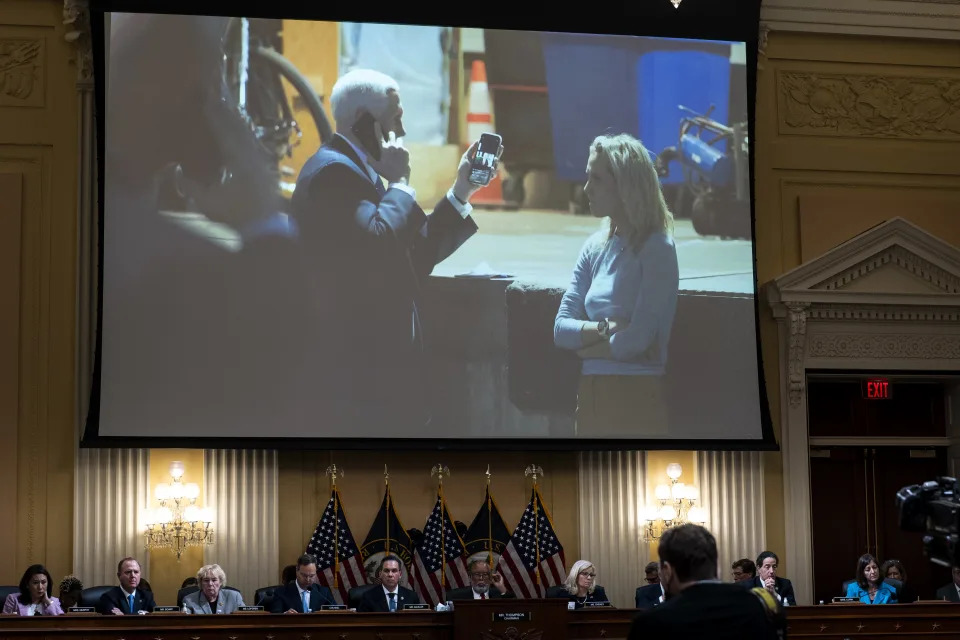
876, 389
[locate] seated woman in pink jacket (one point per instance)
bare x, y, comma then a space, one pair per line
34, 598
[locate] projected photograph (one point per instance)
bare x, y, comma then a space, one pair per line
371, 231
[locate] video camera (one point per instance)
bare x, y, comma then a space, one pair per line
934, 509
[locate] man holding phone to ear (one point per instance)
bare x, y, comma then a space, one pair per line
370, 247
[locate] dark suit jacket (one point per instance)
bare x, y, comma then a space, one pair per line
376, 600
648, 596
598, 595
783, 587
466, 593
368, 257
948, 592
709, 611
289, 598
116, 598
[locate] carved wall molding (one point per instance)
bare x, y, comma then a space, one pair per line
76, 17
912, 346
22, 72
883, 313
869, 105
798, 331
906, 260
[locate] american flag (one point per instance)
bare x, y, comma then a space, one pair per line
533, 558
339, 564
441, 546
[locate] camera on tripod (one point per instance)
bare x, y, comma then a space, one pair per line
933, 508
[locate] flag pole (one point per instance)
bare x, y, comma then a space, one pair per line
332, 471
489, 524
534, 470
386, 482
439, 470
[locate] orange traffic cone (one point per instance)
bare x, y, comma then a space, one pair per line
479, 121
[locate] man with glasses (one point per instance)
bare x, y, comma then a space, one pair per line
302, 595
481, 581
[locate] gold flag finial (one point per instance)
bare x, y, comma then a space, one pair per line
440, 471
334, 472
535, 471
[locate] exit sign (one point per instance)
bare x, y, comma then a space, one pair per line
876, 389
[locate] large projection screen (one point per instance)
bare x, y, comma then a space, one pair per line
266, 281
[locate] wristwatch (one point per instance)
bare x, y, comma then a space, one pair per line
603, 328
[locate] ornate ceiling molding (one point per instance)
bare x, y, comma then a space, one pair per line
937, 19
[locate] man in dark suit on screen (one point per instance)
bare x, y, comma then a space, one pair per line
370, 248
302, 595
698, 606
388, 595
127, 599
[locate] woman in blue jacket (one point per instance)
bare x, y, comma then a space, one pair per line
870, 587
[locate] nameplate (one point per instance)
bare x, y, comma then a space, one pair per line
81, 609
416, 607
512, 616
249, 609
598, 603
845, 600
333, 607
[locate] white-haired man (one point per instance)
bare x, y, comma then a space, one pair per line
370, 247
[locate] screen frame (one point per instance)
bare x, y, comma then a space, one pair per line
735, 20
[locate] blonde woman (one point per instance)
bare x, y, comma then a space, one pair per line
580, 586
618, 311
212, 597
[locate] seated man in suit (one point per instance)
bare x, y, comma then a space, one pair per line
780, 588
212, 597
302, 595
744, 569
652, 593
698, 606
389, 596
951, 592
481, 579
127, 599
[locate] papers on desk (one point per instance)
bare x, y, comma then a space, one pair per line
483, 271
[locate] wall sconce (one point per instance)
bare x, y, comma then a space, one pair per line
178, 523
676, 505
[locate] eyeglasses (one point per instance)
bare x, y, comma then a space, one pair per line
481, 576
589, 575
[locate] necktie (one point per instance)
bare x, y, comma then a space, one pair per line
393, 601
378, 183
483, 596
306, 606
130, 602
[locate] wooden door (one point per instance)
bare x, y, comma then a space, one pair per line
853, 495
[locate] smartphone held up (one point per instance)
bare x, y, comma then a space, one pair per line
485, 161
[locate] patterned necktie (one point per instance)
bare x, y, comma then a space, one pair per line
393, 601
130, 602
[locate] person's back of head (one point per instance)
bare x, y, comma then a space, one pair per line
690, 551
359, 90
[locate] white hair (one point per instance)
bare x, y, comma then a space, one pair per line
360, 89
